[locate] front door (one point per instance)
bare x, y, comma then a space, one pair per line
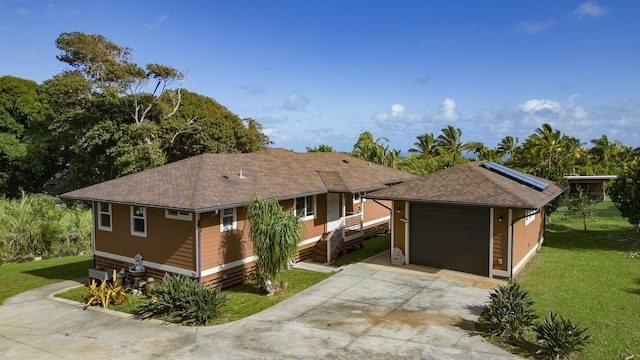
333, 211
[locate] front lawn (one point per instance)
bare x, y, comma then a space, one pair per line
20, 277
244, 300
591, 278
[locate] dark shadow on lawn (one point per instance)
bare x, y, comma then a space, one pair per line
70, 271
636, 290
563, 237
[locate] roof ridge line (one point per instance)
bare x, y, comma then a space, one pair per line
198, 180
503, 189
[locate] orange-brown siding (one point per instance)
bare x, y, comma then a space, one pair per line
399, 233
500, 238
168, 241
525, 237
374, 211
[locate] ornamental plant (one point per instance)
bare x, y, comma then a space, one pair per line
510, 312
559, 337
106, 294
179, 299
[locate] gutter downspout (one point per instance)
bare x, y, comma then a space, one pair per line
383, 205
198, 260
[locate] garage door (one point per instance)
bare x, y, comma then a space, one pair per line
450, 237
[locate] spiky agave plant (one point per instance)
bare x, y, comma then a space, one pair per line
510, 312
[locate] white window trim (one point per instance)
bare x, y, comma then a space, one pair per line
315, 207
180, 215
234, 225
144, 217
361, 197
100, 213
530, 216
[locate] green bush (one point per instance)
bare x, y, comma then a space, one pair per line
559, 338
38, 225
180, 299
510, 312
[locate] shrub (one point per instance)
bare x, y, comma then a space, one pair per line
510, 312
105, 294
180, 299
38, 225
559, 338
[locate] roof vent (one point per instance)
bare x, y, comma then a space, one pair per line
345, 161
242, 176
225, 176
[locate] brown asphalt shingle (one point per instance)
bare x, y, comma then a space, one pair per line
212, 181
471, 184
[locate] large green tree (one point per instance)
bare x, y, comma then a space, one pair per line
625, 194
366, 148
113, 117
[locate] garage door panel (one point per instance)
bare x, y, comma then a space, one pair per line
451, 237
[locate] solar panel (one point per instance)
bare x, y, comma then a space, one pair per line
516, 175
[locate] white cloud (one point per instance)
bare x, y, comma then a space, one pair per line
589, 9
23, 11
397, 110
397, 118
295, 102
534, 27
448, 110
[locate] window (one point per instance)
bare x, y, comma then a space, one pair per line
359, 196
138, 221
104, 216
306, 207
531, 215
228, 219
177, 214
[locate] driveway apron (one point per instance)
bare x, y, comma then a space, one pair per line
366, 310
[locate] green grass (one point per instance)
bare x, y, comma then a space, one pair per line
244, 300
587, 276
20, 277
371, 247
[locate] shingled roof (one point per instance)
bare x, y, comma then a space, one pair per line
472, 184
216, 181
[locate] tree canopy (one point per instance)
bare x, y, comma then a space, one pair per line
106, 116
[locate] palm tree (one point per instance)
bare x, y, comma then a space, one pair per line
508, 146
426, 146
373, 150
321, 148
449, 142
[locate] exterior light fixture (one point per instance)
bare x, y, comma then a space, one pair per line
500, 218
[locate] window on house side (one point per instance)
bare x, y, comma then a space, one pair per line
306, 207
104, 216
531, 215
138, 221
228, 219
177, 214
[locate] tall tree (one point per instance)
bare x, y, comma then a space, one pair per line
450, 143
507, 146
425, 147
367, 148
118, 117
321, 148
276, 234
625, 194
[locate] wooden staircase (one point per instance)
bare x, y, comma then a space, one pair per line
319, 253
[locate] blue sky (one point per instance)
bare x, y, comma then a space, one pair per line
322, 72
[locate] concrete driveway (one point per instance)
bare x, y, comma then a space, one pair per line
367, 310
